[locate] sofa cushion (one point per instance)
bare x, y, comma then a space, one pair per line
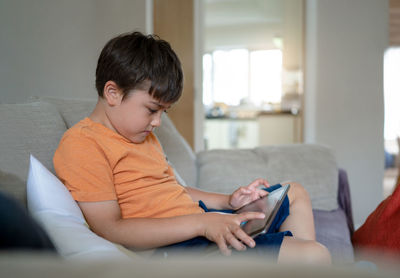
46, 193
313, 166
71, 110
28, 128
178, 151
52, 205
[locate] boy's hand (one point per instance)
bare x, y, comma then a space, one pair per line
225, 230
244, 195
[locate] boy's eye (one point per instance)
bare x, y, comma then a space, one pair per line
153, 111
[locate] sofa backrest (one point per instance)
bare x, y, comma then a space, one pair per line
312, 165
26, 128
71, 110
178, 151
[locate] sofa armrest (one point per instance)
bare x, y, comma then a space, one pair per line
344, 199
334, 228
332, 231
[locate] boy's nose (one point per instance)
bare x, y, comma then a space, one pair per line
156, 120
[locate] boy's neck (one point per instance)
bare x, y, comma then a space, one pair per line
99, 114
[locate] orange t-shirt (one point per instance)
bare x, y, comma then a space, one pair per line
97, 164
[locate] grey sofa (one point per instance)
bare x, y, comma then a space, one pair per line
37, 126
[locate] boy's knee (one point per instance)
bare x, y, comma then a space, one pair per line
297, 191
303, 252
317, 253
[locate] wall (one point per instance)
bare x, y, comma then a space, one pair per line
174, 22
50, 48
198, 27
345, 43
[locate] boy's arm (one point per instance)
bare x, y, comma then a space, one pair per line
105, 219
240, 197
212, 200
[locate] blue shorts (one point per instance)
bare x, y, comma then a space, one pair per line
266, 244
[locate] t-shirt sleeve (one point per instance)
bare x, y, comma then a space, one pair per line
84, 169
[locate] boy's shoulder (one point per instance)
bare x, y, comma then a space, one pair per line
88, 140
88, 128
81, 128
83, 133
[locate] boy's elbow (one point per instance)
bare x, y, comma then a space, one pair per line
120, 231
104, 218
106, 230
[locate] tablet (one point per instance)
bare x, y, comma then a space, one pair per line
269, 205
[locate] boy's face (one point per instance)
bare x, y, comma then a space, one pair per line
137, 115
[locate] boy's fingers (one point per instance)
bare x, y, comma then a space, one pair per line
245, 238
250, 215
234, 242
254, 184
263, 193
265, 182
259, 182
223, 247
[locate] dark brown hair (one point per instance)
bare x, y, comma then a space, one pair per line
132, 59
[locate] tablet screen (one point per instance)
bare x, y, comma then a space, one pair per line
269, 205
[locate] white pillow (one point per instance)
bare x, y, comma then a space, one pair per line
50, 202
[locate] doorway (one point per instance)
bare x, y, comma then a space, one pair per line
252, 72
392, 118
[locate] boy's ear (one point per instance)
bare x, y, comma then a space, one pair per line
112, 93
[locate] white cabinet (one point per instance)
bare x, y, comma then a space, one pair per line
278, 129
231, 133
266, 129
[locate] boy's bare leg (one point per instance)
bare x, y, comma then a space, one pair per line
300, 220
302, 248
303, 251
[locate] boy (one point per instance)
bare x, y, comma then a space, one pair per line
116, 170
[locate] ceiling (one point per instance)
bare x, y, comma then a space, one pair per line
243, 12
